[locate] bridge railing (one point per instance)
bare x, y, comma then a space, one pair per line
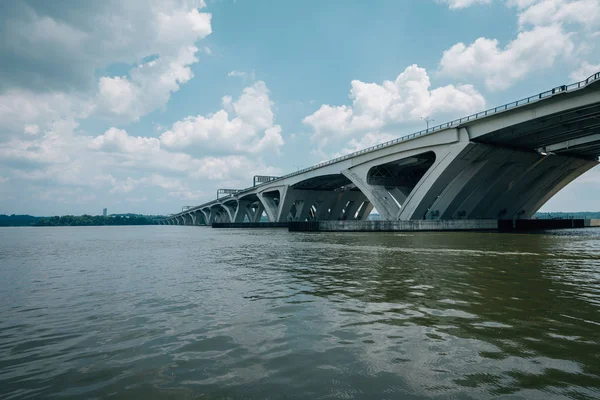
452, 124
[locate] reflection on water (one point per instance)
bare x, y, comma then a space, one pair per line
187, 311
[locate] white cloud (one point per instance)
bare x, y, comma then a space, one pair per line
585, 71
31, 129
119, 141
116, 163
551, 31
533, 50
148, 87
377, 109
25, 107
90, 38
241, 74
548, 12
124, 186
457, 4
242, 126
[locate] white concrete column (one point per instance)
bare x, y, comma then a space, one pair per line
271, 208
377, 195
365, 211
199, 218
231, 207
207, 215
255, 216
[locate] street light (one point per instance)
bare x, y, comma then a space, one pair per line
427, 121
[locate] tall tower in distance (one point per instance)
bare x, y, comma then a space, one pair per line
104, 210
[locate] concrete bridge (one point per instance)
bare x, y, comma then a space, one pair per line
502, 163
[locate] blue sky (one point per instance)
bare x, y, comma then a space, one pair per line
146, 106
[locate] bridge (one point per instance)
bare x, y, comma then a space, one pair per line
502, 163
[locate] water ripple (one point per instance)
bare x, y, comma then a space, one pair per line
186, 312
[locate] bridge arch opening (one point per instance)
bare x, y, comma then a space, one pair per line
250, 208
218, 213
400, 177
324, 197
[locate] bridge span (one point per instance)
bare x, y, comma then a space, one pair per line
502, 163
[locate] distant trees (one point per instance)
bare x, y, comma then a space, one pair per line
568, 215
18, 220
95, 220
79, 220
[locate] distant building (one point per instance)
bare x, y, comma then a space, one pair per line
104, 210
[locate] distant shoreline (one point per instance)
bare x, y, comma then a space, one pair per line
25, 220
79, 220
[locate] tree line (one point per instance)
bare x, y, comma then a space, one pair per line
78, 220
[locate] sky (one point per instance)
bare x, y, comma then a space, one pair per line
146, 106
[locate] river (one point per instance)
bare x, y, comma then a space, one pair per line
188, 312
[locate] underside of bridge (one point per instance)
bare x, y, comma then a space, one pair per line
249, 209
492, 182
325, 197
575, 132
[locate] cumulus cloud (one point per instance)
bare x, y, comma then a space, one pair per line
499, 67
119, 141
547, 12
585, 71
242, 126
550, 31
62, 157
377, 108
24, 107
38, 87
117, 163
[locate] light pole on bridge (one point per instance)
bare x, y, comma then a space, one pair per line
427, 120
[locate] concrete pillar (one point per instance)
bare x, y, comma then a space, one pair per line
207, 215
218, 213
255, 211
199, 218
419, 202
324, 207
241, 211
267, 199
364, 211
251, 209
230, 207
377, 195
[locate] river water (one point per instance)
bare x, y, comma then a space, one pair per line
188, 312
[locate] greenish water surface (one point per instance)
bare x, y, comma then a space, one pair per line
194, 312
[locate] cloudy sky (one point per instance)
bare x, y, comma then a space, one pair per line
148, 105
